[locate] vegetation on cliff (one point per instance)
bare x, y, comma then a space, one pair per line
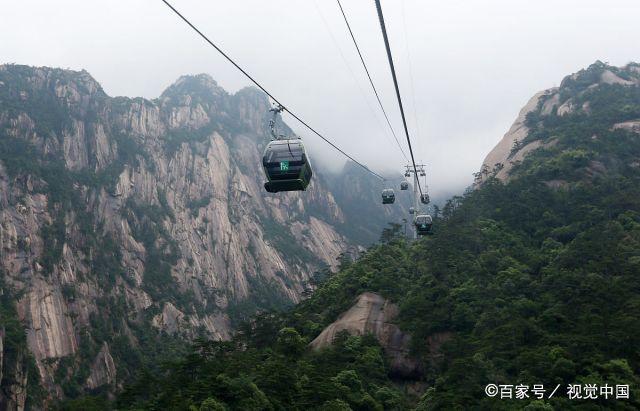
130, 225
525, 282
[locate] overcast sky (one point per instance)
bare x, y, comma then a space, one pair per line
474, 63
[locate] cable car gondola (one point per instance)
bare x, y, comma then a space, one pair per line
423, 223
412, 210
388, 196
424, 198
286, 166
404, 185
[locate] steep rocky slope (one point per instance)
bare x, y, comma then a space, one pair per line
572, 97
529, 280
125, 222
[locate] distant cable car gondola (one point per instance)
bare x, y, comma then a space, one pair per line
412, 210
404, 185
388, 196
424, 198
423, 223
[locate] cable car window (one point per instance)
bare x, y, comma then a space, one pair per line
284, 153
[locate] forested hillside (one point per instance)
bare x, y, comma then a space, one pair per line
532, 278
130, 226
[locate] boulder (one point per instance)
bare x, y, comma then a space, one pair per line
373, 314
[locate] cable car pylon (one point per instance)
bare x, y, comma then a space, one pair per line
420, 219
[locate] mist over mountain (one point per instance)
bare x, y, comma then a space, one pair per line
144, 267
130, 226
530, 279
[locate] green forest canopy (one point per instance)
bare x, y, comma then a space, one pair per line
535, 283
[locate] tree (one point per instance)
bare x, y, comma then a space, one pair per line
335, 405
391, 233
211, 404
345, 259
290, 342
517, 145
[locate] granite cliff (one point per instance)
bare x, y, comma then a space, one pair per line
572, 97
128, 225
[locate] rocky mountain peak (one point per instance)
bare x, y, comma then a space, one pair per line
64, 82
126, 223
199, 84
576, 95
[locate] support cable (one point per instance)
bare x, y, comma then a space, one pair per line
419, 142
254, 81
353, 74
375, 91
395, 83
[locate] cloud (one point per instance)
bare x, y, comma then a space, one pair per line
474, 64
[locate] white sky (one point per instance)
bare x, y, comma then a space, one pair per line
474, 63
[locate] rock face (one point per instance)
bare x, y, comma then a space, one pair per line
559, 101
372, 314
103, 369
633, 125
501, 153
359, 198
124, 220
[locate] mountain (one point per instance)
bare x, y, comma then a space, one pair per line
574, 97
358, 195
129, 226
532, 278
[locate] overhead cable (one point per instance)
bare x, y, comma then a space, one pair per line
395, 83
257, 84
366, 69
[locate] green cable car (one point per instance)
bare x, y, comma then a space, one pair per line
388, 196
423, 223
286, 166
